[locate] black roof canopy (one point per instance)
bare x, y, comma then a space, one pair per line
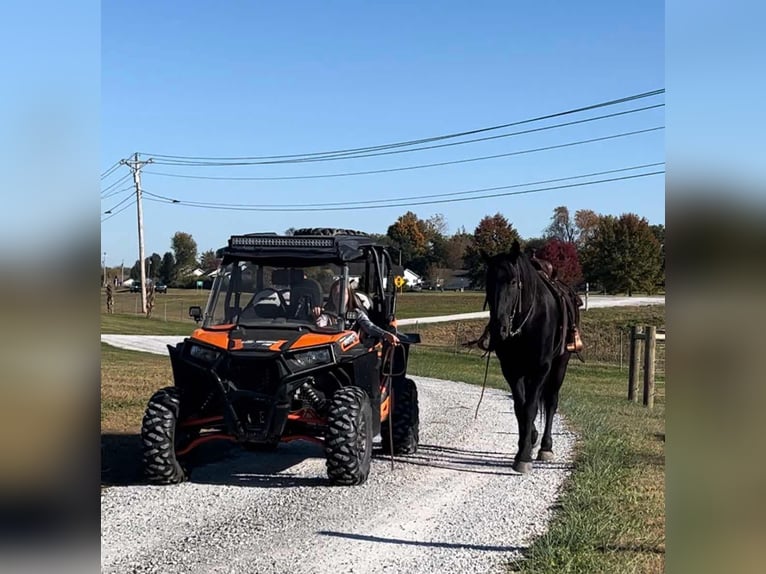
297, 250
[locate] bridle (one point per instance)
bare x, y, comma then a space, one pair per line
516, 307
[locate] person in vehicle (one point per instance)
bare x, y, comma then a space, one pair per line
328, 315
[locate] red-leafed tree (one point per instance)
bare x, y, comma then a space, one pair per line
563, 256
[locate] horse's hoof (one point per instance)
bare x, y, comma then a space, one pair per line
522, 467
545, 455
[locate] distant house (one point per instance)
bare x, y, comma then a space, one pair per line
413, 279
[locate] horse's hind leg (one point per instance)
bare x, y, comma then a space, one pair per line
550, 400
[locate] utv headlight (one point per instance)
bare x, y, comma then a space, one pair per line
310, 358
203, 354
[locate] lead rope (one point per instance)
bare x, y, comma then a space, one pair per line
483, 386
390, 376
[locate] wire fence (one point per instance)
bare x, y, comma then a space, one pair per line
605, 346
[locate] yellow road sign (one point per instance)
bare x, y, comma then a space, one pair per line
399, 281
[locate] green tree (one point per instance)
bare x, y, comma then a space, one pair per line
534, 244
623, 255
493, 235
167, 267
135, 271
185, 253
561, 226
208, 261
153, 264
586, 221
408, 235
455, 249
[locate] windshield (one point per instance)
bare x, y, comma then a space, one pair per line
246, 293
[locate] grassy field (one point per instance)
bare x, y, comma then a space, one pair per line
173, 308
611, 514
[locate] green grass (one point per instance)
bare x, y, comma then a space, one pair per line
611, 514
433, 303
128, 379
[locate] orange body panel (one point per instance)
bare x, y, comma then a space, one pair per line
314, 339
218, 339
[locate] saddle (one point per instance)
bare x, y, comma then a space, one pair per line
569, 304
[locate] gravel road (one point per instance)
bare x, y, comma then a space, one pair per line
455, 506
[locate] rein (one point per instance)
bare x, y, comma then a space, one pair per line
517, 306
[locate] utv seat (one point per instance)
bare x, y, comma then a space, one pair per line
305, 294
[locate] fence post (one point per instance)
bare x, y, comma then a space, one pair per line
650, 346
633, 363
457, 330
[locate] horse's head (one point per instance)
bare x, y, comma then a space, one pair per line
504, 285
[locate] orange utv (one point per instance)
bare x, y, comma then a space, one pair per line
259, 371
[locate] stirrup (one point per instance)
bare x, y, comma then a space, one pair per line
575, 344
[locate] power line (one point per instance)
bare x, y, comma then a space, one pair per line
116, 183
118, 204
427, 196
117, 192
111, 169
119, 210
423, 140
226, 207
413, 167
399, 151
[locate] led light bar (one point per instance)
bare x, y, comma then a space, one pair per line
266, 241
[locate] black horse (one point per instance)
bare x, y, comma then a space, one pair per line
527, 329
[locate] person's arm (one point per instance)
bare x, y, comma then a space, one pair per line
372, 329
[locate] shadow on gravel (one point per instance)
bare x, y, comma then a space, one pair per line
477, 462
212, 463
120, 460
453, 545
450, 458
262, 469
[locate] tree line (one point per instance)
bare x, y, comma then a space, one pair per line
613, 253
616, 254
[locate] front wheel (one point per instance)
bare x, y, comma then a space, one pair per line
160, 438
401, 429
348, 442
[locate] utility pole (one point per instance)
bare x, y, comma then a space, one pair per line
104, 266
135, 165
122, 272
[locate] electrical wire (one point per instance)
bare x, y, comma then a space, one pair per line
111, 169
413, 167
229, 207
119, 211
117, 192
111, 209
422, 140
115, 184
427, 196
399, 151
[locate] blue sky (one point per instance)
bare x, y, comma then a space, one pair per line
266, 78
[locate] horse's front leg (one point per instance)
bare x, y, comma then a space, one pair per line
550, 400
525, 415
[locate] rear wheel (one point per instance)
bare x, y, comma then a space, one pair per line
348, 443
405, 419
160, 438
